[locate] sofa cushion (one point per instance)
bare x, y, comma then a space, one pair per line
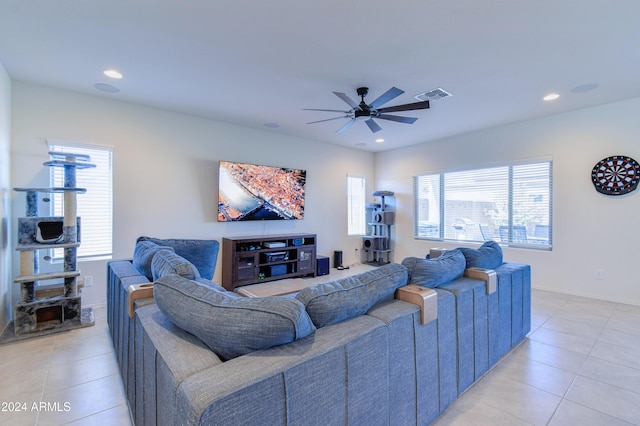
434, 272
335, 301
143, 255
167, 262
488, 255
228, 324
202, 253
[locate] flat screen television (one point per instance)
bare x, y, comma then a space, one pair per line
255, 192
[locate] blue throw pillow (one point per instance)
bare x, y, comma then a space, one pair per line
336, 301
434, 272
167, 262
488, 255
202, 253
230, 325
143, 255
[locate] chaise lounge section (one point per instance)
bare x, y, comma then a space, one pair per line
359, 355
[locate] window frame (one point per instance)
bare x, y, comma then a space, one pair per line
95, 244
516, 176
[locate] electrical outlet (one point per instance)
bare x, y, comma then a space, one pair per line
599, 274
88, 281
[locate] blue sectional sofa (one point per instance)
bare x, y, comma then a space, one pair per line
347, 351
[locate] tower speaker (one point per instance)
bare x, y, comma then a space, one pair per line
337, 258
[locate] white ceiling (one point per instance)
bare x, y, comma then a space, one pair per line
257, 62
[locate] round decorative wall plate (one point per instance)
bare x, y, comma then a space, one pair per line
615, 175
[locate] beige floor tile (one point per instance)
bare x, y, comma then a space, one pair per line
617, 354
520, 400
117, 416
83, 400
620, 338
541, 376
625, 320
65, 351
607, 399
585, 315
477, 413
575, 328
556, 357
563, 340
21, 385
81, 371
612, 374
570, 414
23, 355
25, 417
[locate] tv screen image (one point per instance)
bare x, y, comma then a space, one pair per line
255, 192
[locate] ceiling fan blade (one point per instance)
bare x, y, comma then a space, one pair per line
399, 119
406, 107
386, 97
373, 125
328, 119
346, 126
327, 110
347, 99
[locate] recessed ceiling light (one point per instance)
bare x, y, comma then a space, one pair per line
379, 140
111, 73
551, 97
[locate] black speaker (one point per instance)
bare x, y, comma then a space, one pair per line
337, 258
322, 265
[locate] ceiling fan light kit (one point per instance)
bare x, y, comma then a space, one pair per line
367, 112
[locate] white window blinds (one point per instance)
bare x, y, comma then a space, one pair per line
94, 206
356, 206
510, 204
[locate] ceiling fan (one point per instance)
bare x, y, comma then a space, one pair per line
366, 113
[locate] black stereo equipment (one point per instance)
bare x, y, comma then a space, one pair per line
322, 265
276, 256
374, 243
384, 218
337, 258
276, 270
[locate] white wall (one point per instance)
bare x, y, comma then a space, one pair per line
166, 171
5, 188
591, 231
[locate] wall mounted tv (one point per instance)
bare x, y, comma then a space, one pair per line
254, 192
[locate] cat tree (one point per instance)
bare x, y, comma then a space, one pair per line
37, 314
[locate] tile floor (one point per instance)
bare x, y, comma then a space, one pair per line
579, 366
65, 378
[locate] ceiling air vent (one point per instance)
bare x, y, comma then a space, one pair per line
433, 95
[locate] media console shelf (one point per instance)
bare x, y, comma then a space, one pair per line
256, 259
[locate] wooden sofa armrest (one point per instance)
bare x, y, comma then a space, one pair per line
425, 298
136, 292
487, 275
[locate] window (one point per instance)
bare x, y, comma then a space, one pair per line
94, 206
356, 206
511, 205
